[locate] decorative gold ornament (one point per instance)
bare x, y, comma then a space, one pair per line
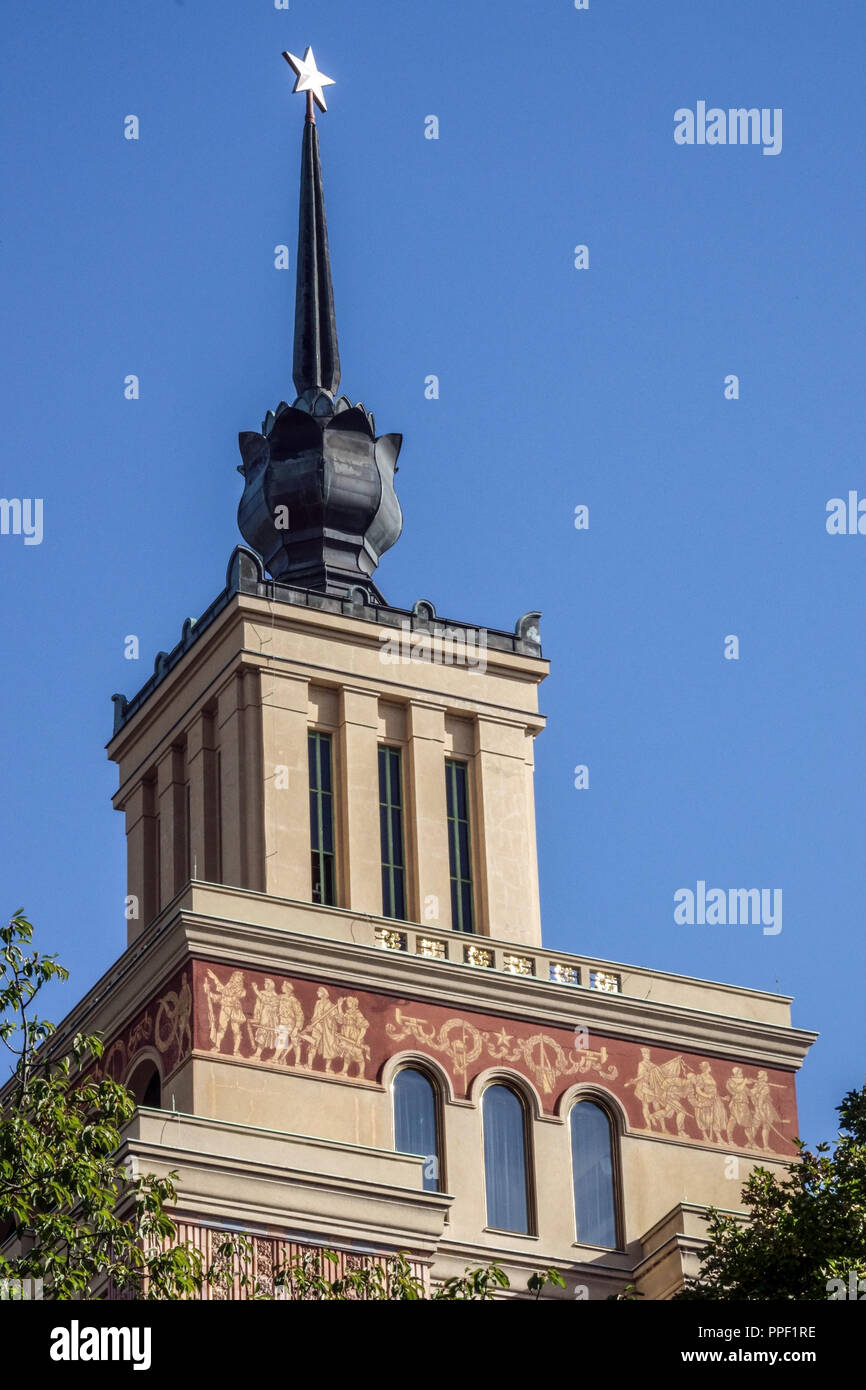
463, 1044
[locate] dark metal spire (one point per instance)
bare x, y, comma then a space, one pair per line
317, 355
319, 503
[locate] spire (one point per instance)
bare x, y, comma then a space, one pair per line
317, 355
319, 504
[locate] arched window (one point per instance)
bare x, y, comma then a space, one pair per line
505, 1169
146, 1086
592, 1171
416, 1121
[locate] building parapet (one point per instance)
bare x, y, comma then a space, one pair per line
246, 575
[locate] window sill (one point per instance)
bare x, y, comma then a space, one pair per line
513, 1235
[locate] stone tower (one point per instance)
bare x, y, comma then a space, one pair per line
334, 978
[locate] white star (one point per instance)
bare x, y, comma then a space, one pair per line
309, 77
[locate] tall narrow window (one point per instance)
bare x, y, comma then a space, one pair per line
391, 832
457, 800
505, 1169
322, 819
592, 1169
416, 1128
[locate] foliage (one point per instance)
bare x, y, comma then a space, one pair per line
70, 1214
394, 1281
804, 1229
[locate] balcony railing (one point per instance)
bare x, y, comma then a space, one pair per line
252, 1270
481, 953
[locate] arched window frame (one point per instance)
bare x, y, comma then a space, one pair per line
602, 1101
148, 1057
530, 1109
441, 1091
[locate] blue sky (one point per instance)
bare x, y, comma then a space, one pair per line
558, 387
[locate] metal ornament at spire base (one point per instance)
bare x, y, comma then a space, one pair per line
319, 503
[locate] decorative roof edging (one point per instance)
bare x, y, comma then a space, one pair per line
245, 574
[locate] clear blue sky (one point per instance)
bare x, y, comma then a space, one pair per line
558, 387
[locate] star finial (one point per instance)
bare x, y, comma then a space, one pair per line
309, 79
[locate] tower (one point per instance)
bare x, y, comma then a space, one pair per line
334, 978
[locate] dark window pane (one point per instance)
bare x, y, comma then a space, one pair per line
316, 870
460, 781
327, 825
391, 833
415, 1127
397, 835
330, 896
592, 1166
395, 788
153, 1092
399, 895
459, 846
466, 905
321, 819
505, 1160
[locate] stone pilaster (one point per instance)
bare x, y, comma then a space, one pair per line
425, 799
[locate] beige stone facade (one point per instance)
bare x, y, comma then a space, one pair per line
276, 1025
213, 769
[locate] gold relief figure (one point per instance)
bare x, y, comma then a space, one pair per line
710, 1114
323, 1031
739, 1108
229, 998
175, 1009
336, 1029
660, 1088
764, 1111
665, 1090
350, 1043
265, 1019
290, 1021
646, 1088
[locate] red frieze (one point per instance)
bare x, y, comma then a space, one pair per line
320, 1028
164, 1027
316, 1027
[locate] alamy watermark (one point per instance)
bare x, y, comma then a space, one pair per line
446, 646
15, 1290
720, 907
735, 126
77, 1343
22, 516
854, 1289
846, 517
